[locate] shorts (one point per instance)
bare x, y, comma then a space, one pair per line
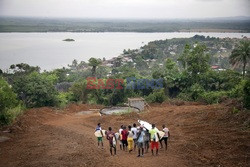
135, 141
154, 145
99, 139
125, 142
140, 144
165, 139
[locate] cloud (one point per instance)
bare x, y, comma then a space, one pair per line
125, 8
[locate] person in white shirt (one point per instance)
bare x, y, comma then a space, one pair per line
165, 137
134, 130
120, 137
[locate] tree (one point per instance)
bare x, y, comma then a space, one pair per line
241, 55
74, 64
94, 63
171, 74
24, 68
184, 55
197, 61
1, 71
36, 90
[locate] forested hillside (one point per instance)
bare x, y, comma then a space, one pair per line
203, 69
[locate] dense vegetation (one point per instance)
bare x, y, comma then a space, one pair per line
12, 24
182, 65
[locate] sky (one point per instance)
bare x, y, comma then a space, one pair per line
149, 9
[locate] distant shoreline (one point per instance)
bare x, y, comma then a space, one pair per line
140, 26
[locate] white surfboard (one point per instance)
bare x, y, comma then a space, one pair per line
98, 133
148, 126
114, 141
161, 134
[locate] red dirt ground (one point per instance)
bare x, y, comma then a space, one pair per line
201, 135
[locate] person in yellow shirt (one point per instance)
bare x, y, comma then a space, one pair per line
154, 138
130, 139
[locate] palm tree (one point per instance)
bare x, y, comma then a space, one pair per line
94, 63
241, 54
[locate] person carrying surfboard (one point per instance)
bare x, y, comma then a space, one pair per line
99, 139
154, 137
140, 141
165, 137
130, 139
120, 137
134, 130
112, 141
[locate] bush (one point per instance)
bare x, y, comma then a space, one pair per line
184, 96
8, 99
196, 91
64, 98
246, 95
158, 96
78, 91
9, 115
212, 97
9, 105
237, 91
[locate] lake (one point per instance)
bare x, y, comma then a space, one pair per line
49, 51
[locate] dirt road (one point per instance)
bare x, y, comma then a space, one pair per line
200, 136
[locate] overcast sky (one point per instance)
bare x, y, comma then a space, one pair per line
126, 8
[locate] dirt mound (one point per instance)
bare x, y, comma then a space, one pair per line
81, 107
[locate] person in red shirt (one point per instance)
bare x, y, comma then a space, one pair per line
112, 140
124, 138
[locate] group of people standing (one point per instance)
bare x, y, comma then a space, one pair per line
135, 137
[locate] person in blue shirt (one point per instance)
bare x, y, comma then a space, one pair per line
140, 141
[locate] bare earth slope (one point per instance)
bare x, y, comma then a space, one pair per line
201, 135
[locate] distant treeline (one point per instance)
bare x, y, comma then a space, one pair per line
17, 24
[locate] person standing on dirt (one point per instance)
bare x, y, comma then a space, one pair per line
165, 137
140, 141
124, 138
153, 137
112, 141
99, 139
120, 137
130, 139
134, 130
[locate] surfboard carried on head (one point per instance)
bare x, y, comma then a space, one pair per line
148, 126
99, 134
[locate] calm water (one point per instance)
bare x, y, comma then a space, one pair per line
48, 51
